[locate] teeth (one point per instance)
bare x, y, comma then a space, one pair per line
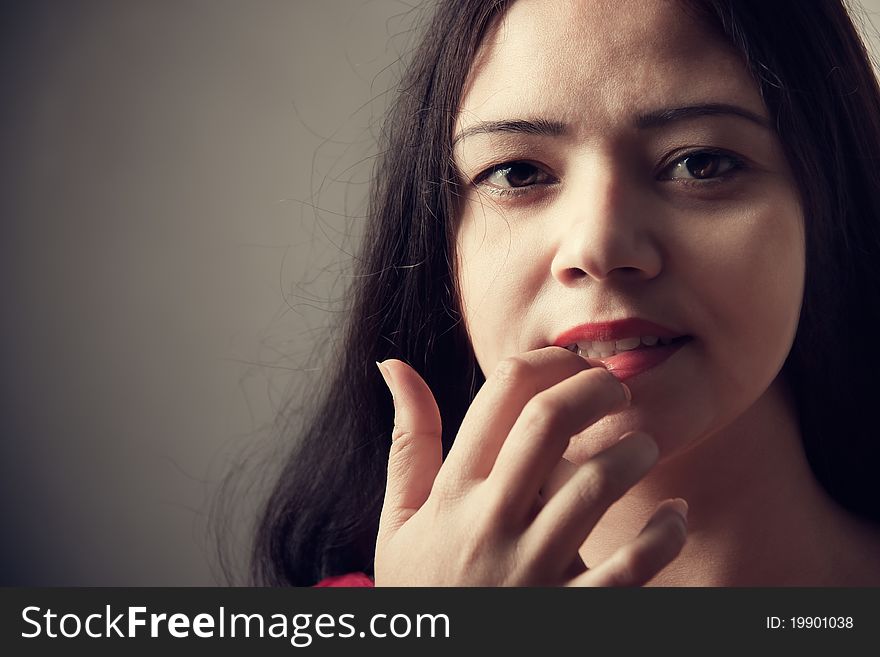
627, 343
609, 348
604, 348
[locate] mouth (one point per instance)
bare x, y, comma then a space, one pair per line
626, 348
608, 349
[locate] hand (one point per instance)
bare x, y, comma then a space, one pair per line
478, 519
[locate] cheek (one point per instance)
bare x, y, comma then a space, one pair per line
753, 282
492, 280
739, 285
477, 273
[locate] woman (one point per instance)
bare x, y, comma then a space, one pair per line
629, 252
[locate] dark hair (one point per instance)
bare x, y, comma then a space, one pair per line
817, 82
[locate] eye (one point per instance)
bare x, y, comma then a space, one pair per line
702, 165
512, 178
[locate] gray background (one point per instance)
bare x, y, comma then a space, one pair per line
167, 280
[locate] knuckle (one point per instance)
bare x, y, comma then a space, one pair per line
540, 411
584, 491
599, 483
402, 452
511, 371
402, 441
405, 443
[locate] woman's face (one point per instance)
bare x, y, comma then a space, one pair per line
618, 163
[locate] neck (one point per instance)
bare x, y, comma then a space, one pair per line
757, 517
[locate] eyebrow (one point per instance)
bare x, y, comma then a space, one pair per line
661, 117
519, 126
653, 119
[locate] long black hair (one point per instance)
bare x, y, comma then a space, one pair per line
817, 82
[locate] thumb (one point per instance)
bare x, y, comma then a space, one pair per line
416, 448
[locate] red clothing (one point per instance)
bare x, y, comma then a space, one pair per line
350, 580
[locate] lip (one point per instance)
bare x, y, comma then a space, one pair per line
626, 364
613, 331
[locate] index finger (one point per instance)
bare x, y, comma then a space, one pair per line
499, 403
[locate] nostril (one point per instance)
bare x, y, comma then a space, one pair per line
573, 274
576, 273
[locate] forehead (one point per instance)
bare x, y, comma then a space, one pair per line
588, 62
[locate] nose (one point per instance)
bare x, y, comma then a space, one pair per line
606, 233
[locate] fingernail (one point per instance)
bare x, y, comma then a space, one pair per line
680, 507
627, 392
647, 439
386, 375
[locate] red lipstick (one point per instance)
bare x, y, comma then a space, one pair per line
626, 364
611, 331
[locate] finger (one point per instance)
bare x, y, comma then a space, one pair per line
543, 430
563, 471
655, 547
569, 516
416, 449
500, 401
